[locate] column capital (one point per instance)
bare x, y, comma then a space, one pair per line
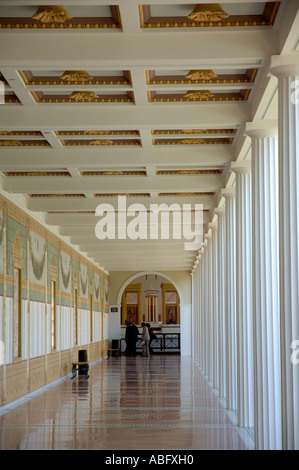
219, 211
228, 193
261, 129
213, 225
284, 66
241, 167
208, 235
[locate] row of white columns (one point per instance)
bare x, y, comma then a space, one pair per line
246, 279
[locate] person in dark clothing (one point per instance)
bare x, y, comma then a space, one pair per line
131, 339
152, 336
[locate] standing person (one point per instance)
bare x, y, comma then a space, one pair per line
145, 340
152, 336
131, 338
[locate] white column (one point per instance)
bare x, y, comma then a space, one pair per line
230, 307
195, 273
214, 304
209, 310
201, 309
205, 307
245, 390
287, 71
265, 299
220, 211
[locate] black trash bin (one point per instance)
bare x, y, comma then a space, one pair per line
83, 357
115, 344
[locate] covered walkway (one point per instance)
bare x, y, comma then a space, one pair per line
158, 403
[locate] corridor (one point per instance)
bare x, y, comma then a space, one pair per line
157, 403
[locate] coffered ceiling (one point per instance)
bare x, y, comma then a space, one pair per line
144, 100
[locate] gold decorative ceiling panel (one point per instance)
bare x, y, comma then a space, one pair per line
100, 142
154, 77
57, 16
192, 141
76, 77
37, 173
82, 97
151, 17
24, 143
10, 97
113, 173
60, 195
21, 133
198, 96
96, 132
194, 131
189, 172
189, 193
122, 194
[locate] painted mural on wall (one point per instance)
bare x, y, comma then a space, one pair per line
96, 287
65, 269
106, 291
83, 280
37, 249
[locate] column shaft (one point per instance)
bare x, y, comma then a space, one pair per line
244, 294
221, 302
230, 307
289, 252
265, 290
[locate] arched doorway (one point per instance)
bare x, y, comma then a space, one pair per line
153, 298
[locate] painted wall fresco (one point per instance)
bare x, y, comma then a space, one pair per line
31, 259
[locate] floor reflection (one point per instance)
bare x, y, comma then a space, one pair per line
160, 402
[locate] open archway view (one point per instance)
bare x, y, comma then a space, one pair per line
154, 300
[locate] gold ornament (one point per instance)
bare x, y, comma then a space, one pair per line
96, 132
194, 131
76, 76
199, 95
192, 141
50, 14
201, 75
9, 143
101, 142
83, 96
208, 12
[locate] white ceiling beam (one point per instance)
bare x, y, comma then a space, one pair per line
88, 220
181, 255
14, 80
88, 239
63, 204
129, 14
89, 49
136, 248
131, 265
108, 157
110, 184
146, 137
154, 116
51, 137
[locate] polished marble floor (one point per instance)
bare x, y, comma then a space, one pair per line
156, 403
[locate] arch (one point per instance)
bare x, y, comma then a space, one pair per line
143, 273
